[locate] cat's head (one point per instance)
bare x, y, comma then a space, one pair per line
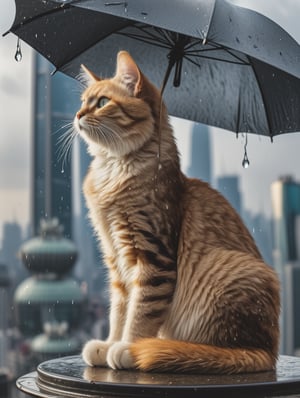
118, 115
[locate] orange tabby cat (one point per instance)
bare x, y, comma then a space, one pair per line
189, 291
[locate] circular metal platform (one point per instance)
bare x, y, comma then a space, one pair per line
70, 377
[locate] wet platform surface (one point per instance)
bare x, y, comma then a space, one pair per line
70, 377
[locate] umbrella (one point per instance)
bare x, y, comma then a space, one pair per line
226, 66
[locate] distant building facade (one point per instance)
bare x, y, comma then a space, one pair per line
57, 185
228, 186
54, 105
200, 155
286, 211
286, 214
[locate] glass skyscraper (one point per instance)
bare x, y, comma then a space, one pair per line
57, 185
200, 156
286, 214
55, 100
229, 188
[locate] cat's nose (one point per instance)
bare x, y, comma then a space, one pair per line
79, 115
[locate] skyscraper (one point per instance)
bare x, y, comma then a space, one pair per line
200, 166
286, 214
57, 187
54, 105
229, 188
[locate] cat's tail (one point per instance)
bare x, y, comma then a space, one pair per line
158, 355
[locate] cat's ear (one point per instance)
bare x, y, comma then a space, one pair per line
128, 72
88, 76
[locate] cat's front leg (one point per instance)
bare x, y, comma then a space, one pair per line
148, 304
95, 352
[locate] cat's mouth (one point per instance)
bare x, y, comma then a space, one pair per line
78, 124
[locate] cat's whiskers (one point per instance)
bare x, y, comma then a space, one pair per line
65, 143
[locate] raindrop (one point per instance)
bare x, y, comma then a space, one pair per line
72, 302
18, 54
159, 166
28, 302
62, 170
245, 162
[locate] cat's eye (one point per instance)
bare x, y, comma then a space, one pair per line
102, 101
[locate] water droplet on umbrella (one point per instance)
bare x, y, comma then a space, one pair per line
245, 162
18, 54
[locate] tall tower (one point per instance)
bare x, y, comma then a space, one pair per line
57, 187
229, 187
54, 105
200, 166
286, 214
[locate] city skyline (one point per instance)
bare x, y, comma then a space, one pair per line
267, 161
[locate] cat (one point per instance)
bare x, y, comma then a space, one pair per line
189, 291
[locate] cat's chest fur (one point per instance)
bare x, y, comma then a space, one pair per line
128, 207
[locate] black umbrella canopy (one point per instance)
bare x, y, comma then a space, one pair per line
230, 67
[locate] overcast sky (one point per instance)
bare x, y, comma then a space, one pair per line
268, 161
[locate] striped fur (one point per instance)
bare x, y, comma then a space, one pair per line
189, 290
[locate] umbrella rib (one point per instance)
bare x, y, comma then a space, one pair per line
144, 39
167, 35
192, 61
33, 18
220, 59
195, 52
235, 56
159, 37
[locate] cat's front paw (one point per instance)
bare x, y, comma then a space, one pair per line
94, 353
119, 357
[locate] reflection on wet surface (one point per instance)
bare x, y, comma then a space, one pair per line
70, 376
